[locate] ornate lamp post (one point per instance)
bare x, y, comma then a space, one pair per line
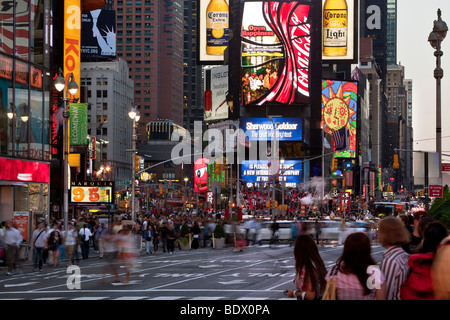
135, 116
435, 38
72, 88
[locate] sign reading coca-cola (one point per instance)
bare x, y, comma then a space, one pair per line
276, 51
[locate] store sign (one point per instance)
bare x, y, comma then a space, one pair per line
435, 191
24, 171
94, 192
78, 124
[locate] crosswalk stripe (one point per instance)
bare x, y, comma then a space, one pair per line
130, 298
167, 298
207, 298
90, 298
251, 298
48, 299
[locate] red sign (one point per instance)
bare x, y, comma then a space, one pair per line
446, 167
25, 171
435, 191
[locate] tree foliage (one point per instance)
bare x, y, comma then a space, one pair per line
440, 209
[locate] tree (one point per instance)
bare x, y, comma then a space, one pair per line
440, 210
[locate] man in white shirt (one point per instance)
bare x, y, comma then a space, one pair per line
12, 239
38, 243
85, 236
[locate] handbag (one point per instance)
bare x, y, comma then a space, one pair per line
330, 289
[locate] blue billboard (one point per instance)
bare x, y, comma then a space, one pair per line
257, 171
288, 129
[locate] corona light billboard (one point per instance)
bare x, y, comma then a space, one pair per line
279, 40
339, 31
339, 116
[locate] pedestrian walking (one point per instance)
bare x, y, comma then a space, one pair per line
310, 271
126, 250
163, 235
440, 273
12, 239
100, 239
352, 271
392, 235
38, 243
195, 230
85, 236
70, 242
418, 285
111, 254
171, 236
53, 243
148, 236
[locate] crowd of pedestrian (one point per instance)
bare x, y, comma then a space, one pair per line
415, 264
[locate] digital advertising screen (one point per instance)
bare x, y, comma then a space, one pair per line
257, 171
276, 51
339, 31
213, 30
339, 116
216, 88
98, 33
288, 129
94, 192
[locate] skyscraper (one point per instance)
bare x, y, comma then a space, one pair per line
391, 32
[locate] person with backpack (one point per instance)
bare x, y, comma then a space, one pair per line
38, 243
85, 235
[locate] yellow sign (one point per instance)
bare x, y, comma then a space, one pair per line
72, 41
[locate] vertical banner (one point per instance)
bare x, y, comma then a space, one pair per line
78, 124
72, 41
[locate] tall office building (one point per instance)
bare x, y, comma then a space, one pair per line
408, 83
192, 84
391, 32
150, 38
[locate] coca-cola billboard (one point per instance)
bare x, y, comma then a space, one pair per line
277, 57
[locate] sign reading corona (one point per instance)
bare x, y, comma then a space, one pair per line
95, 192
72, 41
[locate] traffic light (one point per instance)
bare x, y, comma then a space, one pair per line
422, 192
396, 164
136, 162
334, 164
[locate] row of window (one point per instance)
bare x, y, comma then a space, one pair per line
136, 2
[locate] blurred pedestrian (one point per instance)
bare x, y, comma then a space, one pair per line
111, 250
275, 232
309, 281
12, 239
440, 271
126, 250
70, 242
38, 243
416, 238
195, 230
392, 235
419, 285
163, 235
353, 271
99, 238
85, 236
171, 236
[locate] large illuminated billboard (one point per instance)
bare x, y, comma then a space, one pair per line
93, 192
216, 87
288, 129
98, 33
339, 31
277, 43
339, 116
257, 171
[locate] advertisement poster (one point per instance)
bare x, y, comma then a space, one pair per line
339, 42
92, 192
216, 85
98, 33
339, 116
22, 222
213, 30
276, 42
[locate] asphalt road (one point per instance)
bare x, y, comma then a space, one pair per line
258, 273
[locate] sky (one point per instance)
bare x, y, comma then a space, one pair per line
414, 23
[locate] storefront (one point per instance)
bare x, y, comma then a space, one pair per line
24, 193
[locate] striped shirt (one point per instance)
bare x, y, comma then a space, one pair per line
348, 287
395, 267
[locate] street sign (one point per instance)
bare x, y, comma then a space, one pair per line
446, 167
435, 191
348, 165
334, 193
126, 182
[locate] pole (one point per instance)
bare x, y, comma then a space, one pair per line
438, 74
426, 182
66, 115
272, 167
133, 172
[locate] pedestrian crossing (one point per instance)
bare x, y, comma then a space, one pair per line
158, 298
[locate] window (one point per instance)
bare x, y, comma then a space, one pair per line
104, 131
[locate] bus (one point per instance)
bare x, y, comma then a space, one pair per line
383, 208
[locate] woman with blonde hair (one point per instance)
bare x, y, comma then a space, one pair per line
392, 235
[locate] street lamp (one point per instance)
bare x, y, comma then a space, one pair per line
72, 88
186, 179
435, 38
135, 116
